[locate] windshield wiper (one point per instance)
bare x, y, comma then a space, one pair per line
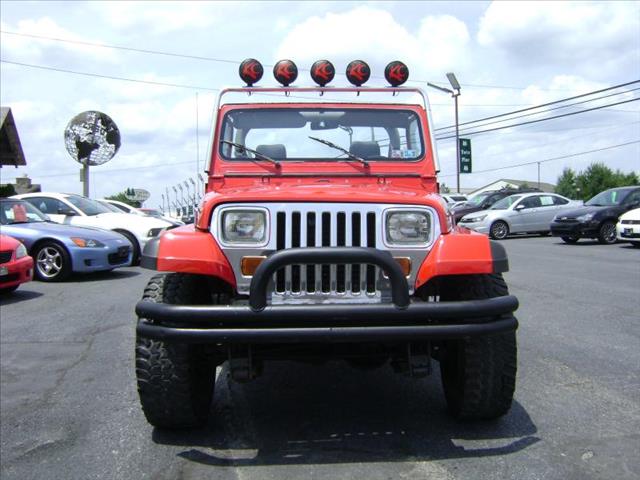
343, 150
258, 155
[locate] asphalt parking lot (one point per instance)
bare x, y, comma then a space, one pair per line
69, 406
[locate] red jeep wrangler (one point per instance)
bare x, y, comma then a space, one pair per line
321, 236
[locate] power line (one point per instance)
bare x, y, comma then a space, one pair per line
549, 159
543, 119
550, 109
208, 59
541, 105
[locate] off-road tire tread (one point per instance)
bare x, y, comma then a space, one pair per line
488, 364
175, 381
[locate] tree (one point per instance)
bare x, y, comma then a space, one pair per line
122, 197
7, 190
595, 179
566, 184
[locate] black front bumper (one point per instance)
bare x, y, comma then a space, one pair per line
258, 322
574, 229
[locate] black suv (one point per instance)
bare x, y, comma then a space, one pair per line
485, 200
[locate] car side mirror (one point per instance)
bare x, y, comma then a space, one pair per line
519, 207
67, 212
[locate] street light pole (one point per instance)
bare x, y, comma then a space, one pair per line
455, 93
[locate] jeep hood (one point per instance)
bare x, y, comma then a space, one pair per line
321, 191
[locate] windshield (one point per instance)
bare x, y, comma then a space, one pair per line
477, 199
111, 207
506, 202
16, 211
283, 134
608, 198
87, 206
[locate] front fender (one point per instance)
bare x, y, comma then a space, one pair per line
462, 252
187, 250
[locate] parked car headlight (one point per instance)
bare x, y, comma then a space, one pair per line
585, 218
21, 251
473, 219
87, 242
244, 226
154, 232
407, 227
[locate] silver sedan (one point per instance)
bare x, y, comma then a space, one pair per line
519, 213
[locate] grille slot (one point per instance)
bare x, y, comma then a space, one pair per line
5, 256
347, 228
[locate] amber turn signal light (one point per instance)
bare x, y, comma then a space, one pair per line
249, 265
405, 265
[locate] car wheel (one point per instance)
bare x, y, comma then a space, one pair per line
52, 262
499, 230
479, 374
607, 233
175, 380
135, 247
570, 239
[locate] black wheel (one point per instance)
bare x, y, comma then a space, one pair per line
499, 230
4, 291
607, 233
570, 239
479, 375
175, 381
135, 247
51, 262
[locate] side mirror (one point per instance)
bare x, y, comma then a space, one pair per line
67, 212
517, 208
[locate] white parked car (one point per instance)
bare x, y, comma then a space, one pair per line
121, 206
628, 227
453, 198
519, 213
77, 210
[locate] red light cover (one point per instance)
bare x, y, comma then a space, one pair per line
285, 72
358, 72
322, 72
396, 73
250, 71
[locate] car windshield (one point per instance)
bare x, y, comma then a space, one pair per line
476, 200
608, 198
16, 211
152, 213
113, 208
506, 202
87, 206
283, 134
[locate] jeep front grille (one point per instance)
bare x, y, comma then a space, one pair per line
331, 228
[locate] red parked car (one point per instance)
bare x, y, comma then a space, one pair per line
16, 266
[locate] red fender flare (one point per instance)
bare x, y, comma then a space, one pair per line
187, 250
462, 252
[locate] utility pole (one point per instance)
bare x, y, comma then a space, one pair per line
538, 175
455, 93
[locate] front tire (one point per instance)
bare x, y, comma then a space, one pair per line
52, 262
499, 230
175, 381
607, 233
135, 247
570, 240
479, 374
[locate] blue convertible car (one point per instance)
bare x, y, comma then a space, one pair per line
58, 250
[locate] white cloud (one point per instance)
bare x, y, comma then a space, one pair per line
545, 32
373, 35
25, 48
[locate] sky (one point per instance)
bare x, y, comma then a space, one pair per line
160, 85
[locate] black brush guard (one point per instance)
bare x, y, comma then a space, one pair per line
258, 322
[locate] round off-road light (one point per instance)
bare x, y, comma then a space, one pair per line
250, 71
358, 72
396, 73
285, 72
322, 72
